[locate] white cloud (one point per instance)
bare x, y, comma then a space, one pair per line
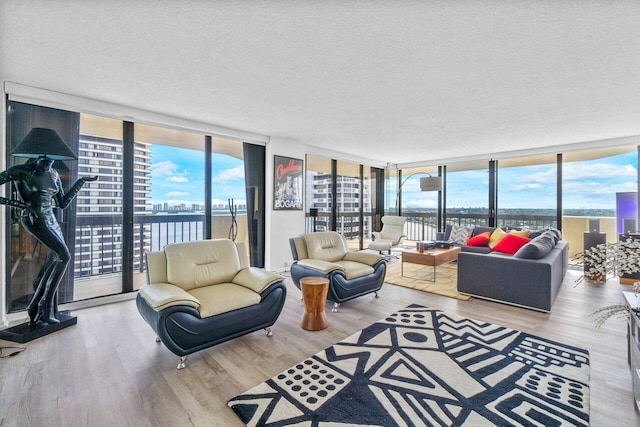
233, 174
598, 171
522, 187
169, 170
166, 168
177, 178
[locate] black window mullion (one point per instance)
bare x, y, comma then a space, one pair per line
127, 205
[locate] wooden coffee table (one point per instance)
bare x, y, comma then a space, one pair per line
433, 257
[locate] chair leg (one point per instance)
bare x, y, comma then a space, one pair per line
335, 307
182, 364
269, 333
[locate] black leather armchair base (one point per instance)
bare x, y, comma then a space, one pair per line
183, 331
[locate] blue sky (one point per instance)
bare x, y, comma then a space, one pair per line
177, 176
586, 185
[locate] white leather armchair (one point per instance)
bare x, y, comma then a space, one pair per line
203, 293
391, 234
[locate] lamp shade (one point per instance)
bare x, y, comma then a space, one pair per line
43, 142
431, 183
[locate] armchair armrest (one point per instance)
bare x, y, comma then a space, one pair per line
256, 279
319, 265
376, 235
363, 257
163, 295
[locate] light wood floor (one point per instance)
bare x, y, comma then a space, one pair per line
108, 371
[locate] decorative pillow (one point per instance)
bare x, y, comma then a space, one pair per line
537, 248
496, 236
523, 233
510, 244
459, 234
481, 239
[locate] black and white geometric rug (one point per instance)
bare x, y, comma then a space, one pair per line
425, 367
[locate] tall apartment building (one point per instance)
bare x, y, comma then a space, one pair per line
319, 192
98, 242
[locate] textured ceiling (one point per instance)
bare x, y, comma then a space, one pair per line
394, 81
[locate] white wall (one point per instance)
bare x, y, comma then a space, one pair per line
281, 225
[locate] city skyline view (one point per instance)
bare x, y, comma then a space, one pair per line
177, 177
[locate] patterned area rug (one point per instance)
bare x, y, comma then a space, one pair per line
424, 367
420, 277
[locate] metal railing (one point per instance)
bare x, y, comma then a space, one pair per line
423, 226
99, 244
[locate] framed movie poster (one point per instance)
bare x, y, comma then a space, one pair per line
287, 182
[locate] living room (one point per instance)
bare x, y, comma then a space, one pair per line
409, 88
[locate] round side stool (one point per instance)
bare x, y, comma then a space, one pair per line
314, 293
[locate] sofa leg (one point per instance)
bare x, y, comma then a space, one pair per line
377, 296
269, 333
182, 364
335, 307
157, 339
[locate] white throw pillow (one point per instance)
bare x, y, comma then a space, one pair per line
459, 234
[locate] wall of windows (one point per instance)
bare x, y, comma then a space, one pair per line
524, 192
155, 186
345, 200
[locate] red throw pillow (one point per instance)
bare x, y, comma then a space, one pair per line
510, 244
481, 239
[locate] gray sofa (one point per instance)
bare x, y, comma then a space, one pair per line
531, 278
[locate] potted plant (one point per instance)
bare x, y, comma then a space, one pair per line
609, 260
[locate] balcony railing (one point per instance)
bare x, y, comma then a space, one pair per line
96, 255
423, 226
99, 238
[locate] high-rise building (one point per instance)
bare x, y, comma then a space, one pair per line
98, 242
319, 193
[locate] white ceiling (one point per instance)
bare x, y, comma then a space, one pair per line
394, 81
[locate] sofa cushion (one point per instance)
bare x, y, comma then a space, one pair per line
191, 265
510, 244
523, 233
353, 270
223, 297
555, 233
325, 246
460, 234
496, 236
481, 239
479, 229
536, 248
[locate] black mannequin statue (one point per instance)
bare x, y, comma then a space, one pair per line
39, 185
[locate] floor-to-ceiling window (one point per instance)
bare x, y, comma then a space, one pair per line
348, 200
467, 193
150, 191
98, 262
419, 207
229, 194
526, 192
592, 180
318, 193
